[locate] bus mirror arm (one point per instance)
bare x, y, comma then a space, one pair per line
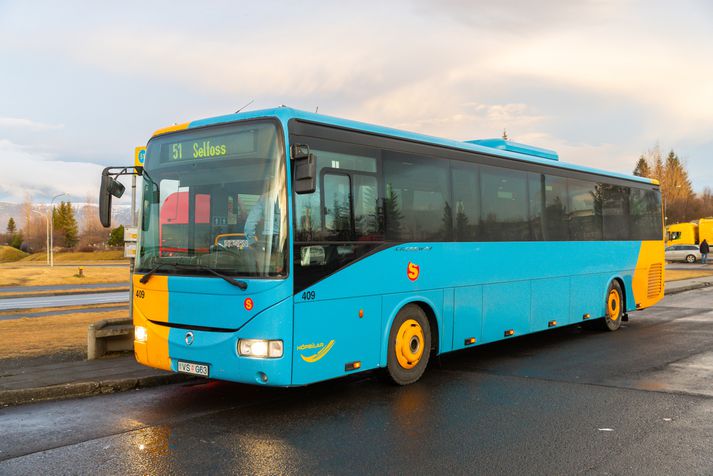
111, 187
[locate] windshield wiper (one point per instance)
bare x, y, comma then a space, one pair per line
235, 282
145, 278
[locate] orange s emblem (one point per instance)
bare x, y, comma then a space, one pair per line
412, 271
248, 304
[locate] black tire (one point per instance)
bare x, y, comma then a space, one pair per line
614, 308
690, 259
400, 374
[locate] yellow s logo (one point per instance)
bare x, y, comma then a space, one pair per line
412, 271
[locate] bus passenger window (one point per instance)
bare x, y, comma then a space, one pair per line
585, 210
466, 197
615, 212
415, 205
644, 209
555, 216
504, 205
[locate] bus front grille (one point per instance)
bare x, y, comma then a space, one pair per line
655, 280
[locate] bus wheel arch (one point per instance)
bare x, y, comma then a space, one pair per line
623, 293
412, 340
615, 305
433, 324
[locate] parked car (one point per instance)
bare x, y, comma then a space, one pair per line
687, 253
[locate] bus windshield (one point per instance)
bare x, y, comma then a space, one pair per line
674, 235
215, 199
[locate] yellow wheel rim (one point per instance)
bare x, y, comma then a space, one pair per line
613, 305
409, 344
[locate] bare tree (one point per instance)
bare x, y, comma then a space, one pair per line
93, 234
27, 218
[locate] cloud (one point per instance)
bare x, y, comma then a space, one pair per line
22, 123
519, 17
27, 171
600, 81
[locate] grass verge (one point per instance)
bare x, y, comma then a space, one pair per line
8, 254
17, 275
679, 274
77, 256
41, 336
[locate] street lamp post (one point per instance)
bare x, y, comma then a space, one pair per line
52, 228
47, 234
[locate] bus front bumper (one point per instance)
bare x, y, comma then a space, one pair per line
198, 351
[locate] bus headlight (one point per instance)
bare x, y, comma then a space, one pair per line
140, 334
271, 349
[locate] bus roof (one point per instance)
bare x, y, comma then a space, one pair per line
498, 147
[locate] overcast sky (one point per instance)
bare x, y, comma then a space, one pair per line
83, 83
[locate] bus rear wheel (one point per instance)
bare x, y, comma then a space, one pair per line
614, 307
409, 345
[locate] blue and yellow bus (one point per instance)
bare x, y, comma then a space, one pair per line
311, 247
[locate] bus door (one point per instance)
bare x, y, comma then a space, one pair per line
334, 330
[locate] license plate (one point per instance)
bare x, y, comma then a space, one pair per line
193, 369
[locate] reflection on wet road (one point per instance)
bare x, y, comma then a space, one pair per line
568, 401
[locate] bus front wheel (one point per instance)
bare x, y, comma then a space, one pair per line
614, 307
409, 345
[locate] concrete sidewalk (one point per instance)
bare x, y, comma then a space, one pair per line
673, 287
40, 380
36, 379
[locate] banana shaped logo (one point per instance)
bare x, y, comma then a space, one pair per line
322, 352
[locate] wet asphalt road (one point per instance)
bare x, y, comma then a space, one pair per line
61, 287
637, 401
66, 300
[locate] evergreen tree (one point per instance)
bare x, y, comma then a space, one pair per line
65, 225
447, 220
11, 227
642, 168
116, 237
392, 214
461, 223
676, 190
16, 240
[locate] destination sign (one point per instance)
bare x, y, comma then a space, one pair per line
207, 148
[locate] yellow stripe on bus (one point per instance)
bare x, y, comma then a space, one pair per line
648, 280
150, 301
173, 128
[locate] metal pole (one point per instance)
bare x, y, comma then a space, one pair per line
132, 260
52, 236
47, 222
133, 200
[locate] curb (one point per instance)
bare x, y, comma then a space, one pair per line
87, 389
689, 287
60, 293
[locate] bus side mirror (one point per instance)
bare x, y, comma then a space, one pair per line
110, 187
305, 169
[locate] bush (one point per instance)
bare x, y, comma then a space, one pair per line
16, 241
